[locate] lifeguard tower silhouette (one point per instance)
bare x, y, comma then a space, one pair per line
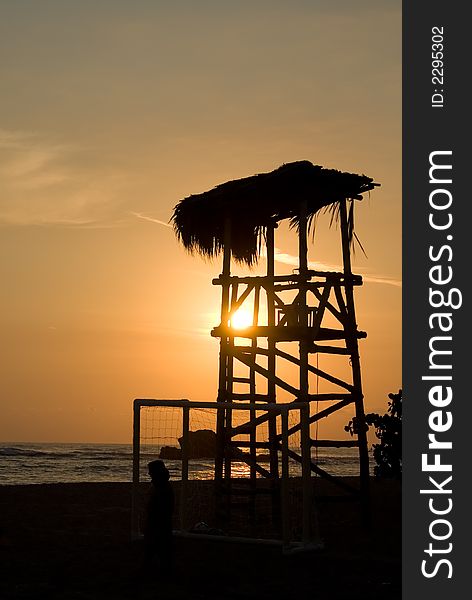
296, 318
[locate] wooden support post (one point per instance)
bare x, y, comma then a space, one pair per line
136, 464
271, 378
302, 297
303, 240
271, 357
222, 393
307, 504
252, 385
229, 391
352, 346
285, 493
183, 488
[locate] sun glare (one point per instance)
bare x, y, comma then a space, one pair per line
241, 319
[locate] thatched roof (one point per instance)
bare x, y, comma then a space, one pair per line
254, 202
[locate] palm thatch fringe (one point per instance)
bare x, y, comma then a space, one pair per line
253, 203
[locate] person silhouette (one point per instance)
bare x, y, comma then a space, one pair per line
158, 525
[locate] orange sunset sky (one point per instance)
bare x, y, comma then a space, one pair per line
113, 111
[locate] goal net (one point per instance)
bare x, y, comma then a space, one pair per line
238, 470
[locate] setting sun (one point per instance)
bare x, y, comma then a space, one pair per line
241, 319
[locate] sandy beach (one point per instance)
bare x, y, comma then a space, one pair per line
70, 541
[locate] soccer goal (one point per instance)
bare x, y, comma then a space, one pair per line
240, 471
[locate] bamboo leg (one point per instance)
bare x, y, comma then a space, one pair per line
223, 368
352, 345
307, 506
271, 355
271, 370
229, 391
302, 299
252, 434
285, 480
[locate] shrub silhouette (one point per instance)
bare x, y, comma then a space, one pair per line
388, 429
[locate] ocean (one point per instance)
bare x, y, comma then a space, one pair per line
33, 463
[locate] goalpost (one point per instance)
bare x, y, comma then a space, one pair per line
248, 501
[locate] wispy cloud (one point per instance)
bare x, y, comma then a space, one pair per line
151, 219
381, 279
46, 182
29, 161
289, 259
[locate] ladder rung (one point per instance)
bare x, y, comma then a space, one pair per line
241, 380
